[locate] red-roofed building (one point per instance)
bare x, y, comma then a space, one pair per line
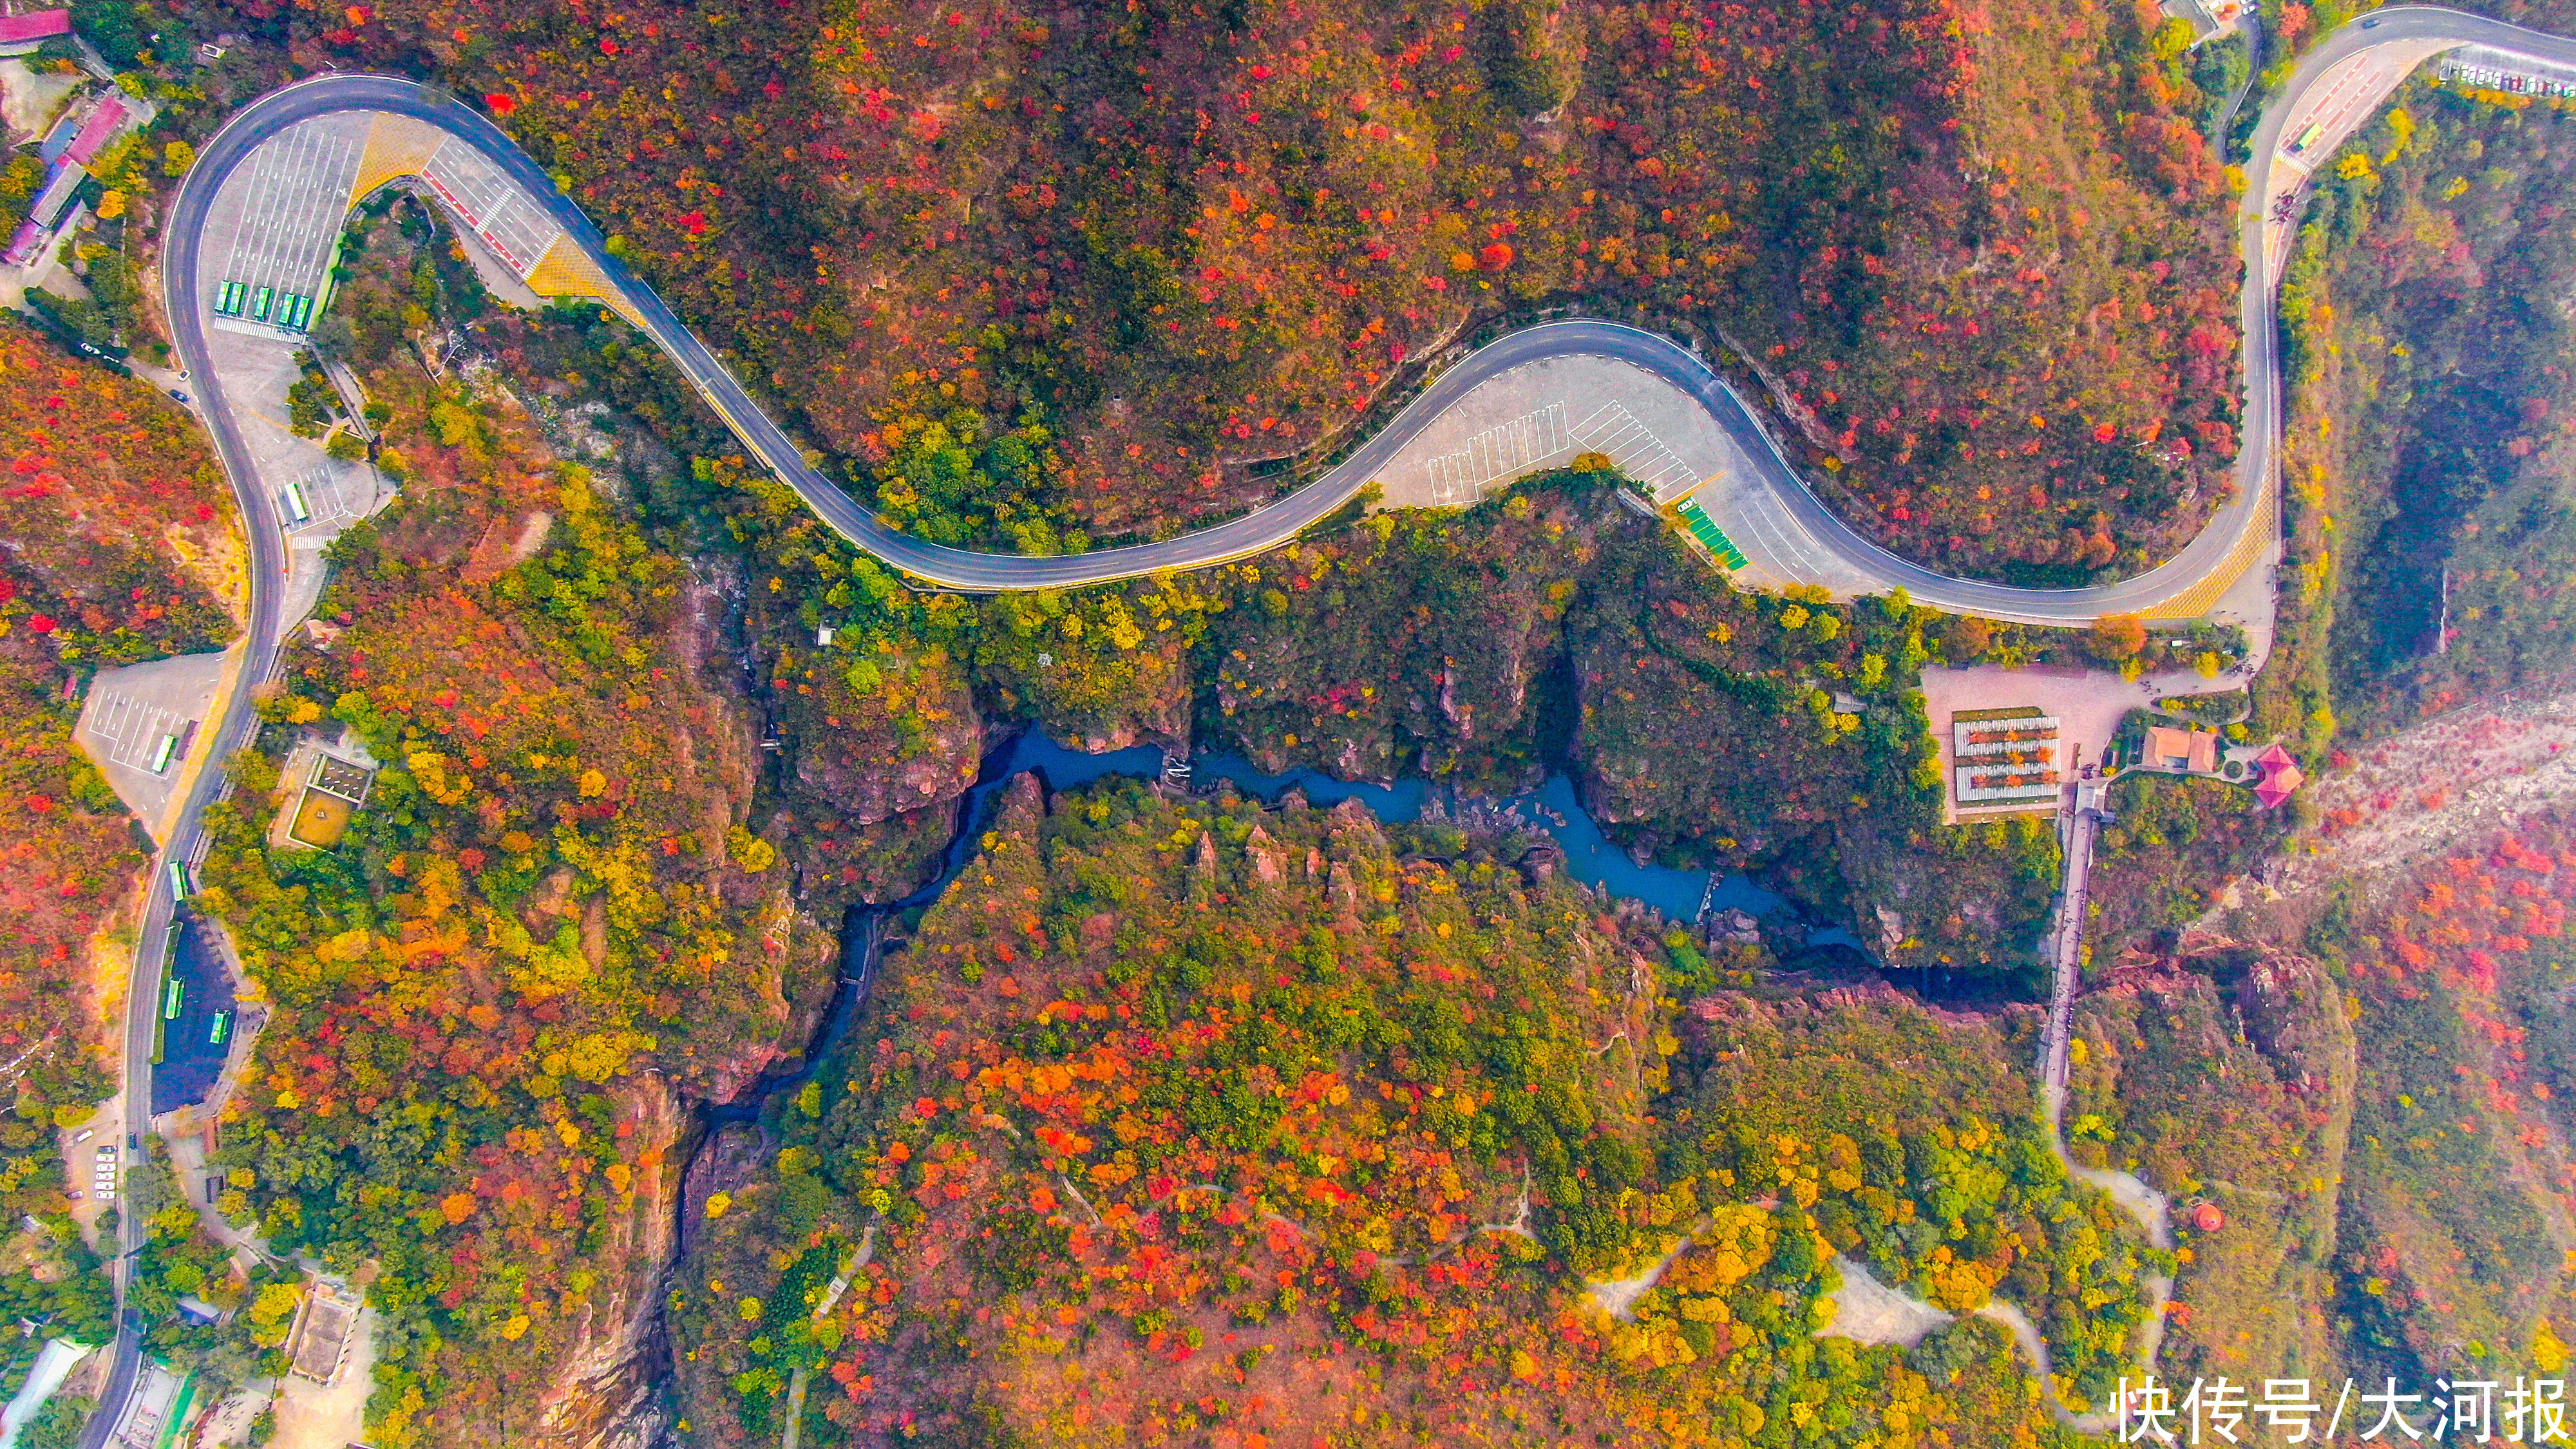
2281, 776
94, 132
33, 28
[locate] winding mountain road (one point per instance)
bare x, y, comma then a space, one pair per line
2242, 532
2243, 536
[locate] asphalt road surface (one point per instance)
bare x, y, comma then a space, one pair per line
1256, 532
2245, 520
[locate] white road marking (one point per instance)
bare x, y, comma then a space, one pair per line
130, 730
509, 222
1502, 451
1613, 430
295, 193
325, 501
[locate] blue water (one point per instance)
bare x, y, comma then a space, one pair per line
1679, 895
1589, 857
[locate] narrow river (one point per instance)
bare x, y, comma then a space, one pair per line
1590, 857
1879, 1312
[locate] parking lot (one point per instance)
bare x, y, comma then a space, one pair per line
285, 213
1541, 415
131, 710
130, 730
491, 204
1612, 429
335, 494
196, 1042
1496, 453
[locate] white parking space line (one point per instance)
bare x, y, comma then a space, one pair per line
471, 184
296, 190
1497, 452
325, 499
131, 730
139, 744
1613, 430
514, 227
520, 233
120, 718
109, 713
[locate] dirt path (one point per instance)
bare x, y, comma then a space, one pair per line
1617, 1296
1868, 1311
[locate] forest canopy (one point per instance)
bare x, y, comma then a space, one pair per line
1976, 257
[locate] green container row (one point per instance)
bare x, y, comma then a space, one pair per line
291, 310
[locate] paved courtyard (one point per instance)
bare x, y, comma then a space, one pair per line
2088, 705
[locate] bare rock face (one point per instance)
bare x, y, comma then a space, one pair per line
1022, 807
1355, 830
729, 1160
791, 961
1733, 927
1345, 893
1484, 691
1891, 930
603, 1394
1264, 855
1541, 863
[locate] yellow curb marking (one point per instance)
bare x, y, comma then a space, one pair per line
568, 271
396, 146
2195, 602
